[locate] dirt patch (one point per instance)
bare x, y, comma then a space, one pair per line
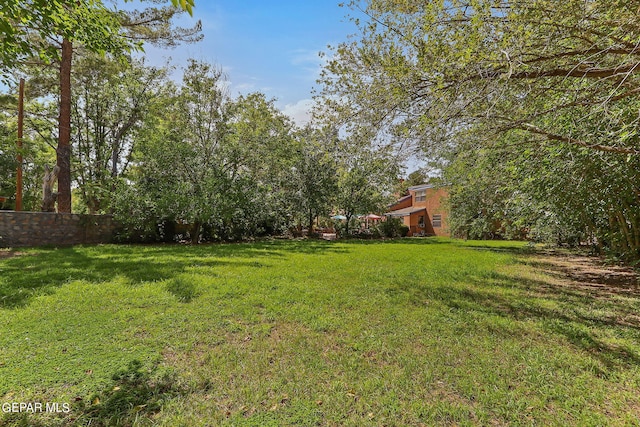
590, 273
4, 254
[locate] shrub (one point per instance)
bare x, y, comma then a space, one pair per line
392, 227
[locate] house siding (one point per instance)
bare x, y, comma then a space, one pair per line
434, 204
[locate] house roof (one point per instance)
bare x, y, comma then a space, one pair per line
425, 186
400, 200
421, 187
404, 212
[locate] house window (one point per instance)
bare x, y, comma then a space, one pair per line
437, 221
421, 221
421, 195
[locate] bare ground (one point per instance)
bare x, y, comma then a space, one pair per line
590, 274
4, 254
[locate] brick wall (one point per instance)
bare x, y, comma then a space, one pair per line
48, 228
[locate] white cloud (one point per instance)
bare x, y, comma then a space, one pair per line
244, 87
300, 112
248, 85
305, 57
309, 62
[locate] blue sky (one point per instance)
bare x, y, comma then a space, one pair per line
269, 46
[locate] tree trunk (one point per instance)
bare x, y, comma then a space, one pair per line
63, 151
632, 226
195, 232
310, 233
624, 231
346, 228
20, 132
48, 195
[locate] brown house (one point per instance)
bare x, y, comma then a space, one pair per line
423, 211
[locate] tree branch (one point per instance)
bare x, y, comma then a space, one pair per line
555, 137
577, 71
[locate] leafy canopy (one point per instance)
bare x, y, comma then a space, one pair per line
560, 71
29, 27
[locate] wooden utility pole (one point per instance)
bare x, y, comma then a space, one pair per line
64, 130
20, 130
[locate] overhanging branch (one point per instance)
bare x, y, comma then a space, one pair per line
555, 137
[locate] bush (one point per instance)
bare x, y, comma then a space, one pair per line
392, 227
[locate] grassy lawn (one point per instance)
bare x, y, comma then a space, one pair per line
401, 333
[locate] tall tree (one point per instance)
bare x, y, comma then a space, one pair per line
220, 165
179, 164
314, 175
37, 28
366, 176
112, 100
48, 29
525, 96
36, 150
260, 153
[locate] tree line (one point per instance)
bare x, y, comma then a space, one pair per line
163, 154
528, 108
185, 157
49, 33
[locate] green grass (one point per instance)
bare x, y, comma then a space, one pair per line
409, 332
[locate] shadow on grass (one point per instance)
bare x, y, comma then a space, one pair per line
499, 246
599, 279
40, 272
133, 395
516, 248
182, 289
418, 241
282, 247
577, 314
582, 318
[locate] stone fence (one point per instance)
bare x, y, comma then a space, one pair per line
48, 228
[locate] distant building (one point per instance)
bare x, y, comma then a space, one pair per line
423, 211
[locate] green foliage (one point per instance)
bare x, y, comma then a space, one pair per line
530, 108
560, 195
88, 22
8, 163
219, 165
36, 152
29, 27
509, 65
417, 177
187, 5
51, 31
180, 173
156, 25
392, 227
486, 200
313, 176
112, 101
366, 176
